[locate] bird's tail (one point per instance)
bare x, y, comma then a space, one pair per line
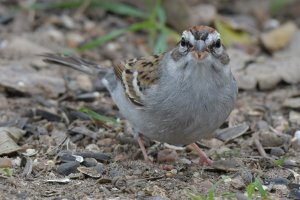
74, 63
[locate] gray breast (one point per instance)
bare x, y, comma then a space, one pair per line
182, 112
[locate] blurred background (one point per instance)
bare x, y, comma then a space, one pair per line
48, 108
111, 31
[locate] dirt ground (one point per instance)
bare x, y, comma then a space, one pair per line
41, 127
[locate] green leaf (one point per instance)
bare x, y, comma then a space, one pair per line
161, 15
194, 196
102, 39
118, 8
230, 35
260, 188
277, 5
92, 114
114, 34
250, 190
171, 33
211, 195
161, 43
7, 171
58, 5
280, 161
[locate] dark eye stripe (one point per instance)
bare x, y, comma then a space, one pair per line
183, 42
218, 43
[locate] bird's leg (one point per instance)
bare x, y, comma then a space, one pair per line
203, 157
142, 146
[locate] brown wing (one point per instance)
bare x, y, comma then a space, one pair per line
137, 75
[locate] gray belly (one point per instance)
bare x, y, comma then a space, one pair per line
178, 118
186, 125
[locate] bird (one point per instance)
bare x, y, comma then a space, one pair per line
178, 97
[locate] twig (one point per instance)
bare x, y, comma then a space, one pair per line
259, 146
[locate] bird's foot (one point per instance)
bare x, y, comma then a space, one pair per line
143, 149
204, 160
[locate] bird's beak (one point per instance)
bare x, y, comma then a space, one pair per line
200, 46
200, 50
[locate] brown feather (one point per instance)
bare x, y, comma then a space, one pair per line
147, 69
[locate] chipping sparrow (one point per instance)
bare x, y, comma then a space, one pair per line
178, 97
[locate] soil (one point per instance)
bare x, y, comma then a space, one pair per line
44, 100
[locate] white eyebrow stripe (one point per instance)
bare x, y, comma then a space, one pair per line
187, 35
212, 37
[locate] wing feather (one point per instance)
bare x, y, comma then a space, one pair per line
137, 75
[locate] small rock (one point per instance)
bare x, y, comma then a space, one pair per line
168, 167
185, 161
245, 81
297, 135
241, 196
280, 181
262, 125
292, 102
105, 142
8, 136
84, 82
265, 74
207, 185
174, 171
294, 117
279, 37
76, 176
16, 162
238, 183
196, 174
281, 189
3, 102
88, 25
93, 172
167, 155
92, 147
55, 35
246, 176
226, 165
5, 162
277, 151
169, 174
30, 152
270, 139
74, 40
202, 14
294, 193
289, 163
68, 22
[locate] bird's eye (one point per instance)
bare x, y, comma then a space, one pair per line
218, 43
183, 43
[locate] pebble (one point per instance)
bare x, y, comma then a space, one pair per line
55, 35
167, 155
74, 39
277, 151
92, 147
262, 125
94, 172
185, 161
5, 162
